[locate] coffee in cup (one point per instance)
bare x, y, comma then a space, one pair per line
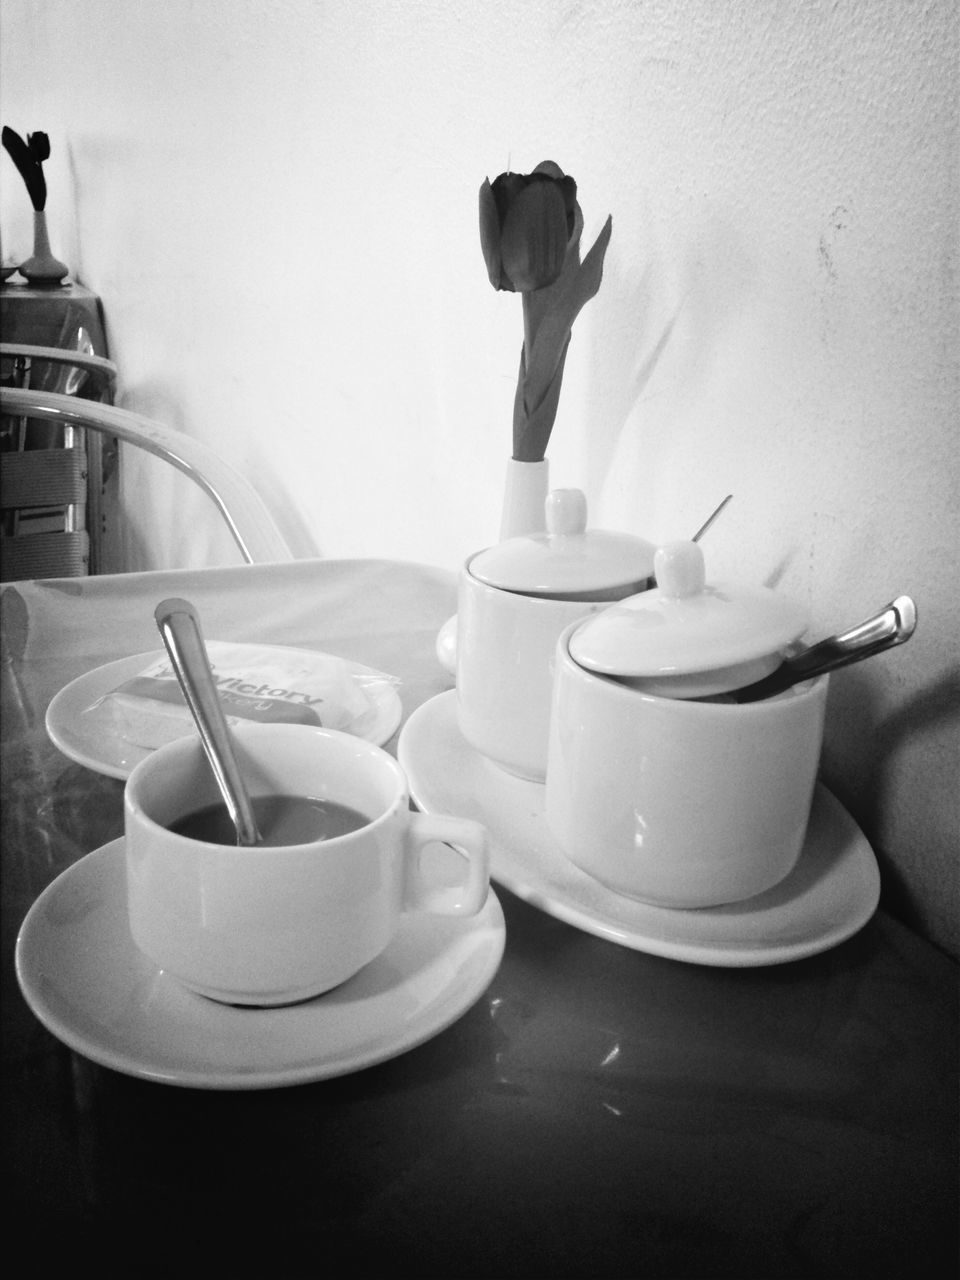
280, 820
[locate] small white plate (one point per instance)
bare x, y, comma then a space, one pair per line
85, 733
831, 893
87, 982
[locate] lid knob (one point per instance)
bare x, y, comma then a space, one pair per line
566, 511
679, 570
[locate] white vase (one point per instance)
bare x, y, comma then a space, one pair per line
524, 511
525, 493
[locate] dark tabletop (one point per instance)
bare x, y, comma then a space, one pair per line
597, 1112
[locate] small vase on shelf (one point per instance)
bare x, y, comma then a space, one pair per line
42, 267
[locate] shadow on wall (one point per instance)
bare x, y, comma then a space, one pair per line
863, 779
716, 277
625, 348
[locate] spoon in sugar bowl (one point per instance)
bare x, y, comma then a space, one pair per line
710, 519
893, 625
179, 625
721, 641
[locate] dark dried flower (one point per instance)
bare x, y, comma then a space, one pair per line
29, 157
530, 228
39, 145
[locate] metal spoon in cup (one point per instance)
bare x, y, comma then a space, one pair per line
179, 625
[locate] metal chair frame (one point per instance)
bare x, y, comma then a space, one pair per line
247, 518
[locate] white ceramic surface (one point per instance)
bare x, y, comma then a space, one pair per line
89, 985
446, 646
271, 925
86, 734
513, 600
688, 638
677, 802
568, 560
524, 494
831, 893
505, 653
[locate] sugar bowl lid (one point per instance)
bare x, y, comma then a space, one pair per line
568, 560
685, 625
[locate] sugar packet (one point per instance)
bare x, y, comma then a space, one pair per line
268, 683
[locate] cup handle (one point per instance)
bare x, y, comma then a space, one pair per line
463, 837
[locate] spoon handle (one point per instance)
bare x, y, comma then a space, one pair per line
179, 626
891, 626
710, 519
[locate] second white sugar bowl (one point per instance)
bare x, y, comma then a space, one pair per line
513, 601
656, 793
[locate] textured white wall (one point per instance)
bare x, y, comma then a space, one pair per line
277, 202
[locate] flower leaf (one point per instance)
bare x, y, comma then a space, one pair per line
531, 430
575, 288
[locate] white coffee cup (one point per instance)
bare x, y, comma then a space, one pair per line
679, 802
273, 925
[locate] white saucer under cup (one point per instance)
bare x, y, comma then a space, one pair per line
88, 984
831, 893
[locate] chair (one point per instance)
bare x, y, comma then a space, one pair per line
61, 369
48, 481
53, 475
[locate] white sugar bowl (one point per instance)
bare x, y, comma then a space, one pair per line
659, 795
514, 600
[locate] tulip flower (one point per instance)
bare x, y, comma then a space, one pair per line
530, 228
526, 221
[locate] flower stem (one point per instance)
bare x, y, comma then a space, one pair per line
529, 327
